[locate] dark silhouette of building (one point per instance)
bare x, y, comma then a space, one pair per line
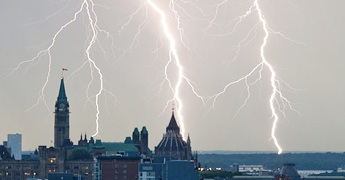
164, 167
141, 140
4, 154
61, 127
83, 142
172, 143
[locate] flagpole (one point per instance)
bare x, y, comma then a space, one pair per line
63, 69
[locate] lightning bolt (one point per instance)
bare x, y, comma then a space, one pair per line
274, 81
172, 55
88, 5
276, 95
273, 77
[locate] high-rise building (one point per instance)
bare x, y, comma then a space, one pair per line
14, 141
61, 127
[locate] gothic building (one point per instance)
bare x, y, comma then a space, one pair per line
172, 143
141, 140
61, 127
52, 159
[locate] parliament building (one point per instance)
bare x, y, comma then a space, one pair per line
81, 159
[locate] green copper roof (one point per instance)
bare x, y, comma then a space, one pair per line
144, 130
128, 140
116, 147
62, 94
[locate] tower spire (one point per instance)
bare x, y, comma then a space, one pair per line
62, 93
173, 108
173, 124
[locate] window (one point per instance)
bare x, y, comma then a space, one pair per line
116, 171
116, 165
124, 177
124, 171
125, 165
150, 173
52, 160
116, 177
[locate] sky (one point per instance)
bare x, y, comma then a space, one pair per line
217, 42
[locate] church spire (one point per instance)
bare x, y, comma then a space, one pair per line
62, 94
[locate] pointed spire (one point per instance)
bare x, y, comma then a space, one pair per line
85, 139
144, 130
62, 94
81, 136
172, 124
188, 139
136, 131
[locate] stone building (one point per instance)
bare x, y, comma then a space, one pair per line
172, 143
141, 140
52, 159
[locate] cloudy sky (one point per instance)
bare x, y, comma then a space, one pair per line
218, 42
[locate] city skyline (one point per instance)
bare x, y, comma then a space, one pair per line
304, 46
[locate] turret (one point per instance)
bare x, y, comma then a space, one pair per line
144, 139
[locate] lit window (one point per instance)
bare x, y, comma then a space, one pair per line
52, 160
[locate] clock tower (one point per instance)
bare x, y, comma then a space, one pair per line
61, 127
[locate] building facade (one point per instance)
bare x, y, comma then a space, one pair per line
117, 167
165, 168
